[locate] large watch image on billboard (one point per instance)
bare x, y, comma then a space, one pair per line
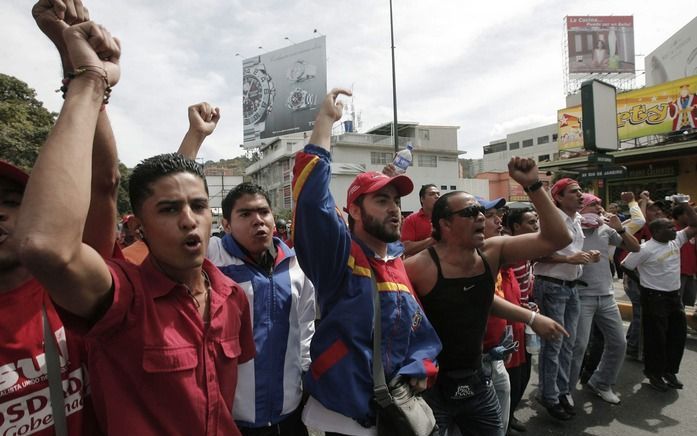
282, 90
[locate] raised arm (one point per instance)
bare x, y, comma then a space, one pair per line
629, 242
691, 229
203, 118
53, 17
57, 197
636, 218
553, 234
329, 113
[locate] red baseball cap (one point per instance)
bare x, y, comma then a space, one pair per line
11, 172
373, 181
561, 184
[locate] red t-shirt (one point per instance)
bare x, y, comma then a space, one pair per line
416, 227
25, 407
156, 369
688, 256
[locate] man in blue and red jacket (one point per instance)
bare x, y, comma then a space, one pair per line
339, 260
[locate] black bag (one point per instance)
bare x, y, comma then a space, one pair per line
400, 411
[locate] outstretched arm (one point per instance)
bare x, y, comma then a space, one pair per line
203, 118
546, 327
73, 273
53, 17
553, 234
329, 113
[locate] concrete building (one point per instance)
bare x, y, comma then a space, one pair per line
435, 160
539, 143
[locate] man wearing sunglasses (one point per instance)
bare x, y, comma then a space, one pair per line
456, 278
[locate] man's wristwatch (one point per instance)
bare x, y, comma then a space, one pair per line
534, 187
258, 96
622, 231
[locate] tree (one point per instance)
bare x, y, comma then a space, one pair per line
24, 122
123, 203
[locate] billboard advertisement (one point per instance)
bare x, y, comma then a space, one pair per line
282, 90
600, 44
654, 110
674, 59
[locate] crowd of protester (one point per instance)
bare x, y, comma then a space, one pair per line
161, 329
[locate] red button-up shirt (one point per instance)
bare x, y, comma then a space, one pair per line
155, 368
416, 227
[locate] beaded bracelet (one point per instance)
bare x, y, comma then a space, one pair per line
81, 70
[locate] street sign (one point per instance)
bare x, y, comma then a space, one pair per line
601, 158
604, 173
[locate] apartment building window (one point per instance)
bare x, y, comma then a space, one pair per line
443, 187
543, 158
543, 139
554, 137
428, 160
514, 145
379, 158
453, 187
495, 148
527, 143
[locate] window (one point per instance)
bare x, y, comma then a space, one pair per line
554, 137
379, 158
527, 143
514, 145
495, 148
543, 139
543, 158
453, 187
443, 187
428, 160
425, 134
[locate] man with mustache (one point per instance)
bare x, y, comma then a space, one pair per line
340, 262
456, 279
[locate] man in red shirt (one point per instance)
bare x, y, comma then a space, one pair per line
27, 315
167, 335
416, 228
688, 258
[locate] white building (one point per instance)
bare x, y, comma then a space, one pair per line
539, 143
218, 187
434, 161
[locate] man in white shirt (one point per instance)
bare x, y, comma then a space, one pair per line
662, 313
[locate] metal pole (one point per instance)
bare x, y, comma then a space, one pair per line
395, 135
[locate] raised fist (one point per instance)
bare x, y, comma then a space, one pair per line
91, 45
523, 170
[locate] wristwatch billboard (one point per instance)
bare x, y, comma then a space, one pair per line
301, 71
258, 96
300, 99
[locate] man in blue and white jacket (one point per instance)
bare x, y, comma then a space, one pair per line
282, 303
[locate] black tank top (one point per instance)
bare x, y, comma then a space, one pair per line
458, 309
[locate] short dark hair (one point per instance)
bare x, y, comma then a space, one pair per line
679, 209
358, 202
515, 216
441, 209
423, 189
657, 225
238, 191
154, 168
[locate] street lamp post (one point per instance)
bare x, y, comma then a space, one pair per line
394, 88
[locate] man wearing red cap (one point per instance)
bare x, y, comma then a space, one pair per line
556, 277
597, 298
340, 263
29, 319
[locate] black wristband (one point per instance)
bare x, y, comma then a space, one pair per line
534, 187
622, 231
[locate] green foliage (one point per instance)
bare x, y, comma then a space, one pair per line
285, 214
123, 204
24, 122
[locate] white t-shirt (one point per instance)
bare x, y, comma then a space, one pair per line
565, 271
658, 263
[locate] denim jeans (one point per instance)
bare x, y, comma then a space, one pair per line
560, 303
634, 341
606, 315
502, 386
479, 415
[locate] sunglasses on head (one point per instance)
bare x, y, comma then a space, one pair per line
469, 211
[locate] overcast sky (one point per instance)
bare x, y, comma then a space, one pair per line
492, 67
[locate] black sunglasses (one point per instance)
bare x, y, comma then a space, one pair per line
469, 211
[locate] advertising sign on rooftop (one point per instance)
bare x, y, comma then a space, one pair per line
602, 44
282, 90
654, 110
674, 59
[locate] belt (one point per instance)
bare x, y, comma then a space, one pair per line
568, 283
